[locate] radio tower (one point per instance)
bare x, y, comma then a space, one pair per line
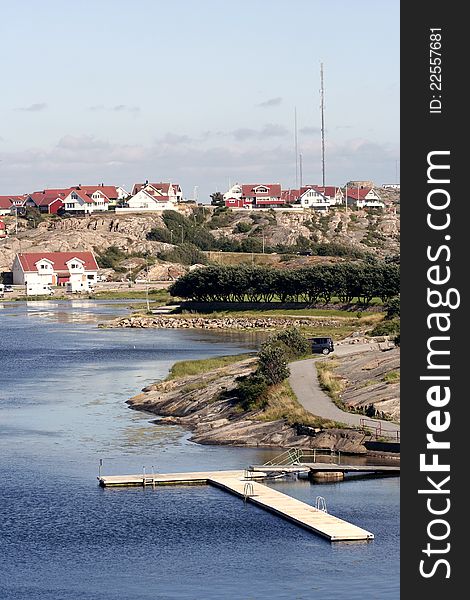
322, 107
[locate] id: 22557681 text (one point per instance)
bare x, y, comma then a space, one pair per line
435, 70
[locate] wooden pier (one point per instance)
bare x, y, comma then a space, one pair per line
244, 485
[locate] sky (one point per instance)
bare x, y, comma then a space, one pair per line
202, 93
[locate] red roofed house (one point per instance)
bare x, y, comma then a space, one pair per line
40, 270
258, 195
364, 197
7, 203
172, 190
306, 197
47, 201
151, 197
334, 194
85, 200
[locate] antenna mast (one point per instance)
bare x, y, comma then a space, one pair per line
322, 106
300, 167
296, 150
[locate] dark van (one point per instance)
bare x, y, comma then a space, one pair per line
322, 345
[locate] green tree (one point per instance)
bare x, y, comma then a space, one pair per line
217, 199
273, 363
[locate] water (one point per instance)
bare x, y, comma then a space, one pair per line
62, 407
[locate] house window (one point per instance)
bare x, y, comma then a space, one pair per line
74, 196
74, 266
43, 266
69, 205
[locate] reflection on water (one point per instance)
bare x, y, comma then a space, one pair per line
62, 408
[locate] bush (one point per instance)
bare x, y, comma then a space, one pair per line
242, 227
295, 344
387, 327
160, 234
272, 363
109, 258
185, 254
393, 307
250, 390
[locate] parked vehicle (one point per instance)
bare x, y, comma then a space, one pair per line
8, 288
322, 345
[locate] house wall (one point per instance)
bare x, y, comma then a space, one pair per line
142, 202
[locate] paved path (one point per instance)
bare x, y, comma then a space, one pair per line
304, 382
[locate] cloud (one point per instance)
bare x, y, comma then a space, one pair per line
82, 142
207, 163
176, 138
310, 130
37, 107
134, 110
269, 103
267, 131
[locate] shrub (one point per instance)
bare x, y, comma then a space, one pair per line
386, 327
273, 363
295, 344
109, 258
250, 390
185, 254
242, 227
160, 234
393, 307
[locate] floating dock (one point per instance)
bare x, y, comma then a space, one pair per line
244, 485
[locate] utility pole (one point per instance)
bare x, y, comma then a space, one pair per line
322, 106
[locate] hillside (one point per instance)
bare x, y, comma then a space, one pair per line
211, 229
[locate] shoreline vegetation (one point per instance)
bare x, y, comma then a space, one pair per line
201, 396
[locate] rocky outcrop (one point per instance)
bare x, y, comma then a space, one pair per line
371, 378
205, 405
267, 323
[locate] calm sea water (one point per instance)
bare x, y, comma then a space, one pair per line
62, 407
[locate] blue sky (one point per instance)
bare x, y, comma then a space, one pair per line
201, 93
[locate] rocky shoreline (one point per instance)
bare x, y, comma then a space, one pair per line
241, 323
203, 404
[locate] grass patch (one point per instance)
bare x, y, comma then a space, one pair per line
185, 368
281, 403
129, 294
392, 377
331, 383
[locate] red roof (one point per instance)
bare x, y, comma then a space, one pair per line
274, 189
45, 199
358, 193
163, 187
327, 190
58, 192
110, 191
28, 260
7, 201
290, 195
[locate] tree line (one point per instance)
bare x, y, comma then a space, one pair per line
345, 281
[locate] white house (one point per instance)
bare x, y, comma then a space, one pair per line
8, 203
172, 190
83, 200
391, 186
364, 197
306, 197
331, 192
39, 271
311, 198
152, 197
